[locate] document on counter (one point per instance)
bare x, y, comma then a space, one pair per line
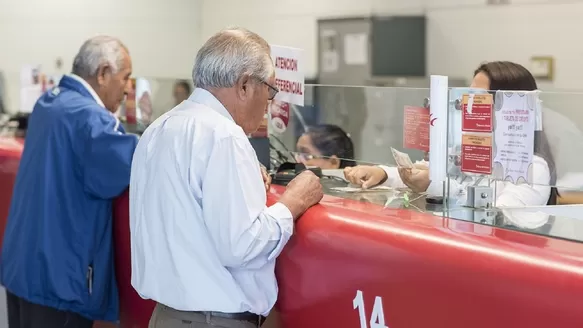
403, 160
359, 189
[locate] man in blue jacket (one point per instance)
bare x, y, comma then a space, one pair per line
57, 256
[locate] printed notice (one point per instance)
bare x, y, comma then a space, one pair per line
289, 74
416, 128
477, 113
514, 135
476, 154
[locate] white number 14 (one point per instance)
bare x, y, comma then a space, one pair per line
377, 318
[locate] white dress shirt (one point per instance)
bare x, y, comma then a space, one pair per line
202, 238
507, 194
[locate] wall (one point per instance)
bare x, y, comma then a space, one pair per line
461, 33
163, 36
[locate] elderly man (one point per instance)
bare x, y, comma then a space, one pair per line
57, 259
203, 242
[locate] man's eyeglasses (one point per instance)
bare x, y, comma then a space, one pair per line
272, 90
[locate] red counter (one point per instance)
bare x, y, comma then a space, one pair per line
420, 270
351, 261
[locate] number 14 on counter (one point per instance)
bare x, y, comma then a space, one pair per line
377, 318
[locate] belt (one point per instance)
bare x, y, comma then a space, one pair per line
244, 316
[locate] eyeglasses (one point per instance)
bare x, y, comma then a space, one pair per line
272, 90
302, 157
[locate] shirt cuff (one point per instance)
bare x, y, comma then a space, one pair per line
285, 220
393, 178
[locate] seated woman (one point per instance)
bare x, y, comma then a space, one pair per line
489, 76
326, 146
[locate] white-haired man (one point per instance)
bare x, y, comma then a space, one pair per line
203, 242
57, 258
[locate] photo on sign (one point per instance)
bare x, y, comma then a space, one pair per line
279, 113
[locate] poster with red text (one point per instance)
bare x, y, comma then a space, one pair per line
477, 112
476, 154
289, 74
416, 128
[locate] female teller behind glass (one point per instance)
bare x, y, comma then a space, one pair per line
489, 76
325, 146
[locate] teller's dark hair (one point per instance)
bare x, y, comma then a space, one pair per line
331, 140
505, 75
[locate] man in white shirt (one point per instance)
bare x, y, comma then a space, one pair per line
203, 243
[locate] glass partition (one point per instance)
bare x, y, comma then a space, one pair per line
514, 158
522, 179
377, 120
343, 126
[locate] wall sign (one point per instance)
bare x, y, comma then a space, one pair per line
289, 74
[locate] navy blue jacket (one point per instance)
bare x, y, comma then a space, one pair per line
58, 243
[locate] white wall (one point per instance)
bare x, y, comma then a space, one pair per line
163, 36
461, 33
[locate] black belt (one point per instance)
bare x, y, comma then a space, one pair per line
244, 316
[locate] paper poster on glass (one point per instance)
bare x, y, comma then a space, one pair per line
456, 100
416, 122
515, 121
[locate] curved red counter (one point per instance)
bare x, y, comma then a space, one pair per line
425, 270
355, 264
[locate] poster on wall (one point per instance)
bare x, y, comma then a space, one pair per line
514, 135
330, 60
416, 124
33, 83
31, 87
356, 49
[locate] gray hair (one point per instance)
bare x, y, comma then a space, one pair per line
96, 52
229, 55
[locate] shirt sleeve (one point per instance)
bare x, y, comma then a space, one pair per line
244, 231
393, 177
107, 156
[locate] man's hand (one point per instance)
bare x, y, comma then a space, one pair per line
303, 192
266, 177
417, 179
365, 176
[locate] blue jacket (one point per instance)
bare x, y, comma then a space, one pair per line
58, 247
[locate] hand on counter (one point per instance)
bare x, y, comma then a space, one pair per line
416, 178
303, 192
365, 176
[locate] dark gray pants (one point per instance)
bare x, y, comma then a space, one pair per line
165, 317
23, 314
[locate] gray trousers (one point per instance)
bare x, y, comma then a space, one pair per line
165, 317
